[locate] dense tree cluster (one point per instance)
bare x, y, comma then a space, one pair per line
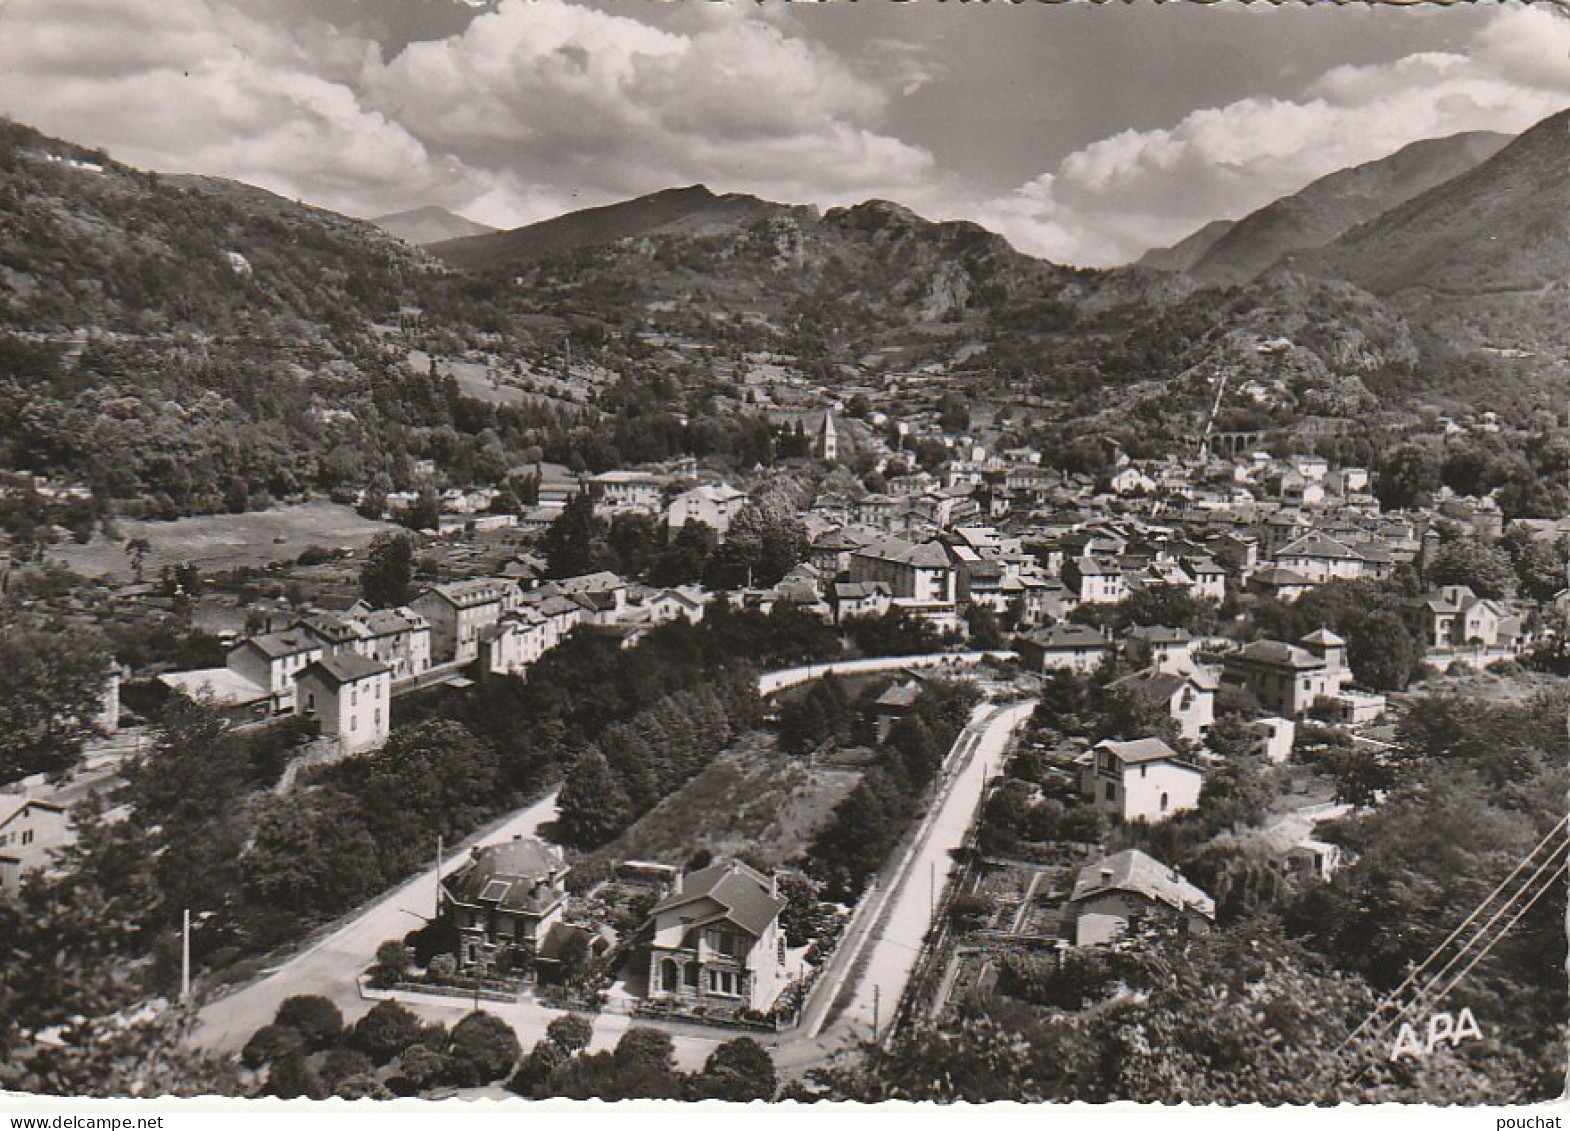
867, 824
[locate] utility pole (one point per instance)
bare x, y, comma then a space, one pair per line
185, 955
932, 892
877, 997
438, 909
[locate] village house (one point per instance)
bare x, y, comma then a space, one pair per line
1460, 620
1320, 558
1115, 896
30, 831
920, 574
717, 940
619, 492
505, 902
350, 697
713, 504
1142, 780
399, 638
859, 599
457, 610
1282, 678
1064, 647
272, 660
1101, 581
1157, 646
1188, 697
516, 642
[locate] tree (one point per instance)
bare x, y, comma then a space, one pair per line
137, 550
315, 1018
387, 1030
593, 808
484, 1048
425, 513
645, 1048
392, 963
739, 1071
272, 1043
575, 541
1484, 568
1380, 652
571, 1032
387, 577
51, 690
1408, 477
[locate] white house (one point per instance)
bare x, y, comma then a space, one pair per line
272, 661
458, 610
1142, 780
351, 698
30, 830
713, 504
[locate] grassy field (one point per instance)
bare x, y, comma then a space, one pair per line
225, 541
751, 800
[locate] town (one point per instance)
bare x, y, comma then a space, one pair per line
1232, 641
689, 646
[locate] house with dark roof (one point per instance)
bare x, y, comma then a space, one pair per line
1188, 696
350, 697
1142, 780
716, 940
506, 903
458, 610
1115, 896
1064, 647
272, 660
914, 572
1282, 678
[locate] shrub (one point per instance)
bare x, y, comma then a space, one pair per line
484, 1048
315, 1018
570, 1032
387, 1030
339, 1064
272, 1043
422, 1067
534, 1074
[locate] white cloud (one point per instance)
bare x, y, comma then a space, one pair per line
537, 106
1108, 202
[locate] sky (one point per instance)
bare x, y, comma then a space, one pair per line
1084, 133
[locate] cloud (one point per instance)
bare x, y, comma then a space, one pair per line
1111, 200
534, 106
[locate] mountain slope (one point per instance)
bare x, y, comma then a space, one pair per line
1500, 227
1334, 204
685, 209
1188, 251
431, 224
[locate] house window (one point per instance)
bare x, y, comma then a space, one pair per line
27, 836
1163, 803
1112, 791
670, 976
354, 722
310, 700
690, 975
377, 721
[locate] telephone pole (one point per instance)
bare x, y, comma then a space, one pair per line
877, 997
185, 955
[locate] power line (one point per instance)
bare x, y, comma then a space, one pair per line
1373, 1019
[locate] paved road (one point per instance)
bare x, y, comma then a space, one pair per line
771, 682
878, 955
330, 965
